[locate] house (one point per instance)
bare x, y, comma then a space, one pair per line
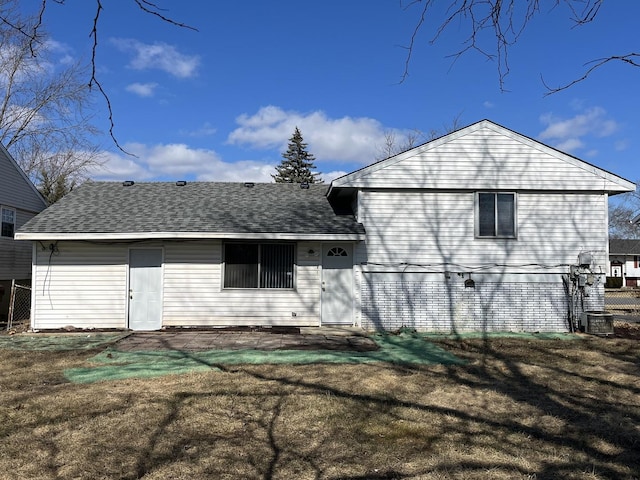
482, 229
19, 202
624, 261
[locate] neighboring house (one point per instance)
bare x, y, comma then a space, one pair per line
624, 261
482, 229
19, 202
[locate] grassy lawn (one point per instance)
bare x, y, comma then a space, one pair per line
517, 408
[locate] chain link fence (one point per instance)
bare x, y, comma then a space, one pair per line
622, 301
19, 305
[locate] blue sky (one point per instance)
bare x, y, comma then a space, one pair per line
220, 104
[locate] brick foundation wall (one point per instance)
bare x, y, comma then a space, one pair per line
441, 306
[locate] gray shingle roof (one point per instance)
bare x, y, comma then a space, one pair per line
198, 207
624, 247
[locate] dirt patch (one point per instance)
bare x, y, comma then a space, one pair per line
627, 330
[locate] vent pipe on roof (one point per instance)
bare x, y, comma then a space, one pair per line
128, 183
181, 183
249, 184
304, 185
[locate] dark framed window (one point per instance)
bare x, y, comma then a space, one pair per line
259, 265
496, 215
8, 222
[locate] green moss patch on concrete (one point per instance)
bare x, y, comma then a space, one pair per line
490, 335
406, 349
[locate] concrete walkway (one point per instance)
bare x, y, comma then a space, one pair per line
311, 338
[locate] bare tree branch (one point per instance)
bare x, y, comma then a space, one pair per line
94, 79
501, 22
153, 9
43, 110
630, 59
31, 32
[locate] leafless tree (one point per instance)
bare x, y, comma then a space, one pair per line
395, 142
32, 33
44, 107
494, 26
620, 214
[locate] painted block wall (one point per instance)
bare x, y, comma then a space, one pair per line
437, 305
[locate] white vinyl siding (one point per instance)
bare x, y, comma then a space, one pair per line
80, 284
435, 230
85, 285
193, 292
483, 158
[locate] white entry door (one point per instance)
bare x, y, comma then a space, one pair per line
145, 289
337, 284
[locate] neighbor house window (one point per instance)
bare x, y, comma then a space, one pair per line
496, 215
258, 265
8, 222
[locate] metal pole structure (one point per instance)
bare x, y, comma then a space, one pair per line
12, 297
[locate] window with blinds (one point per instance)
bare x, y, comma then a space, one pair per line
258, 265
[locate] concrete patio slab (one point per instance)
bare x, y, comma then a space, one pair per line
318, 338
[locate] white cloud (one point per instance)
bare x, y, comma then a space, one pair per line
178, 162
592, 122
567, 134
159, 55
488, 104
204, 131
570, 145
330, 139
142, 89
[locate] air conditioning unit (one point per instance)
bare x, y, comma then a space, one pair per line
597, 323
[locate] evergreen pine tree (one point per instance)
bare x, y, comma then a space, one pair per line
297, 164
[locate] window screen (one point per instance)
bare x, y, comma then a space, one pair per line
496, 215
268, 265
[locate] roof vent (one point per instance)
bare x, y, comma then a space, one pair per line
304, 185
128, 183
249, 184
181, 183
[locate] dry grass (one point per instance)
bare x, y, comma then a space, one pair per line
518, 409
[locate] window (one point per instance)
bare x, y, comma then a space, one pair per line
496, 215
8, 222
258, 265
